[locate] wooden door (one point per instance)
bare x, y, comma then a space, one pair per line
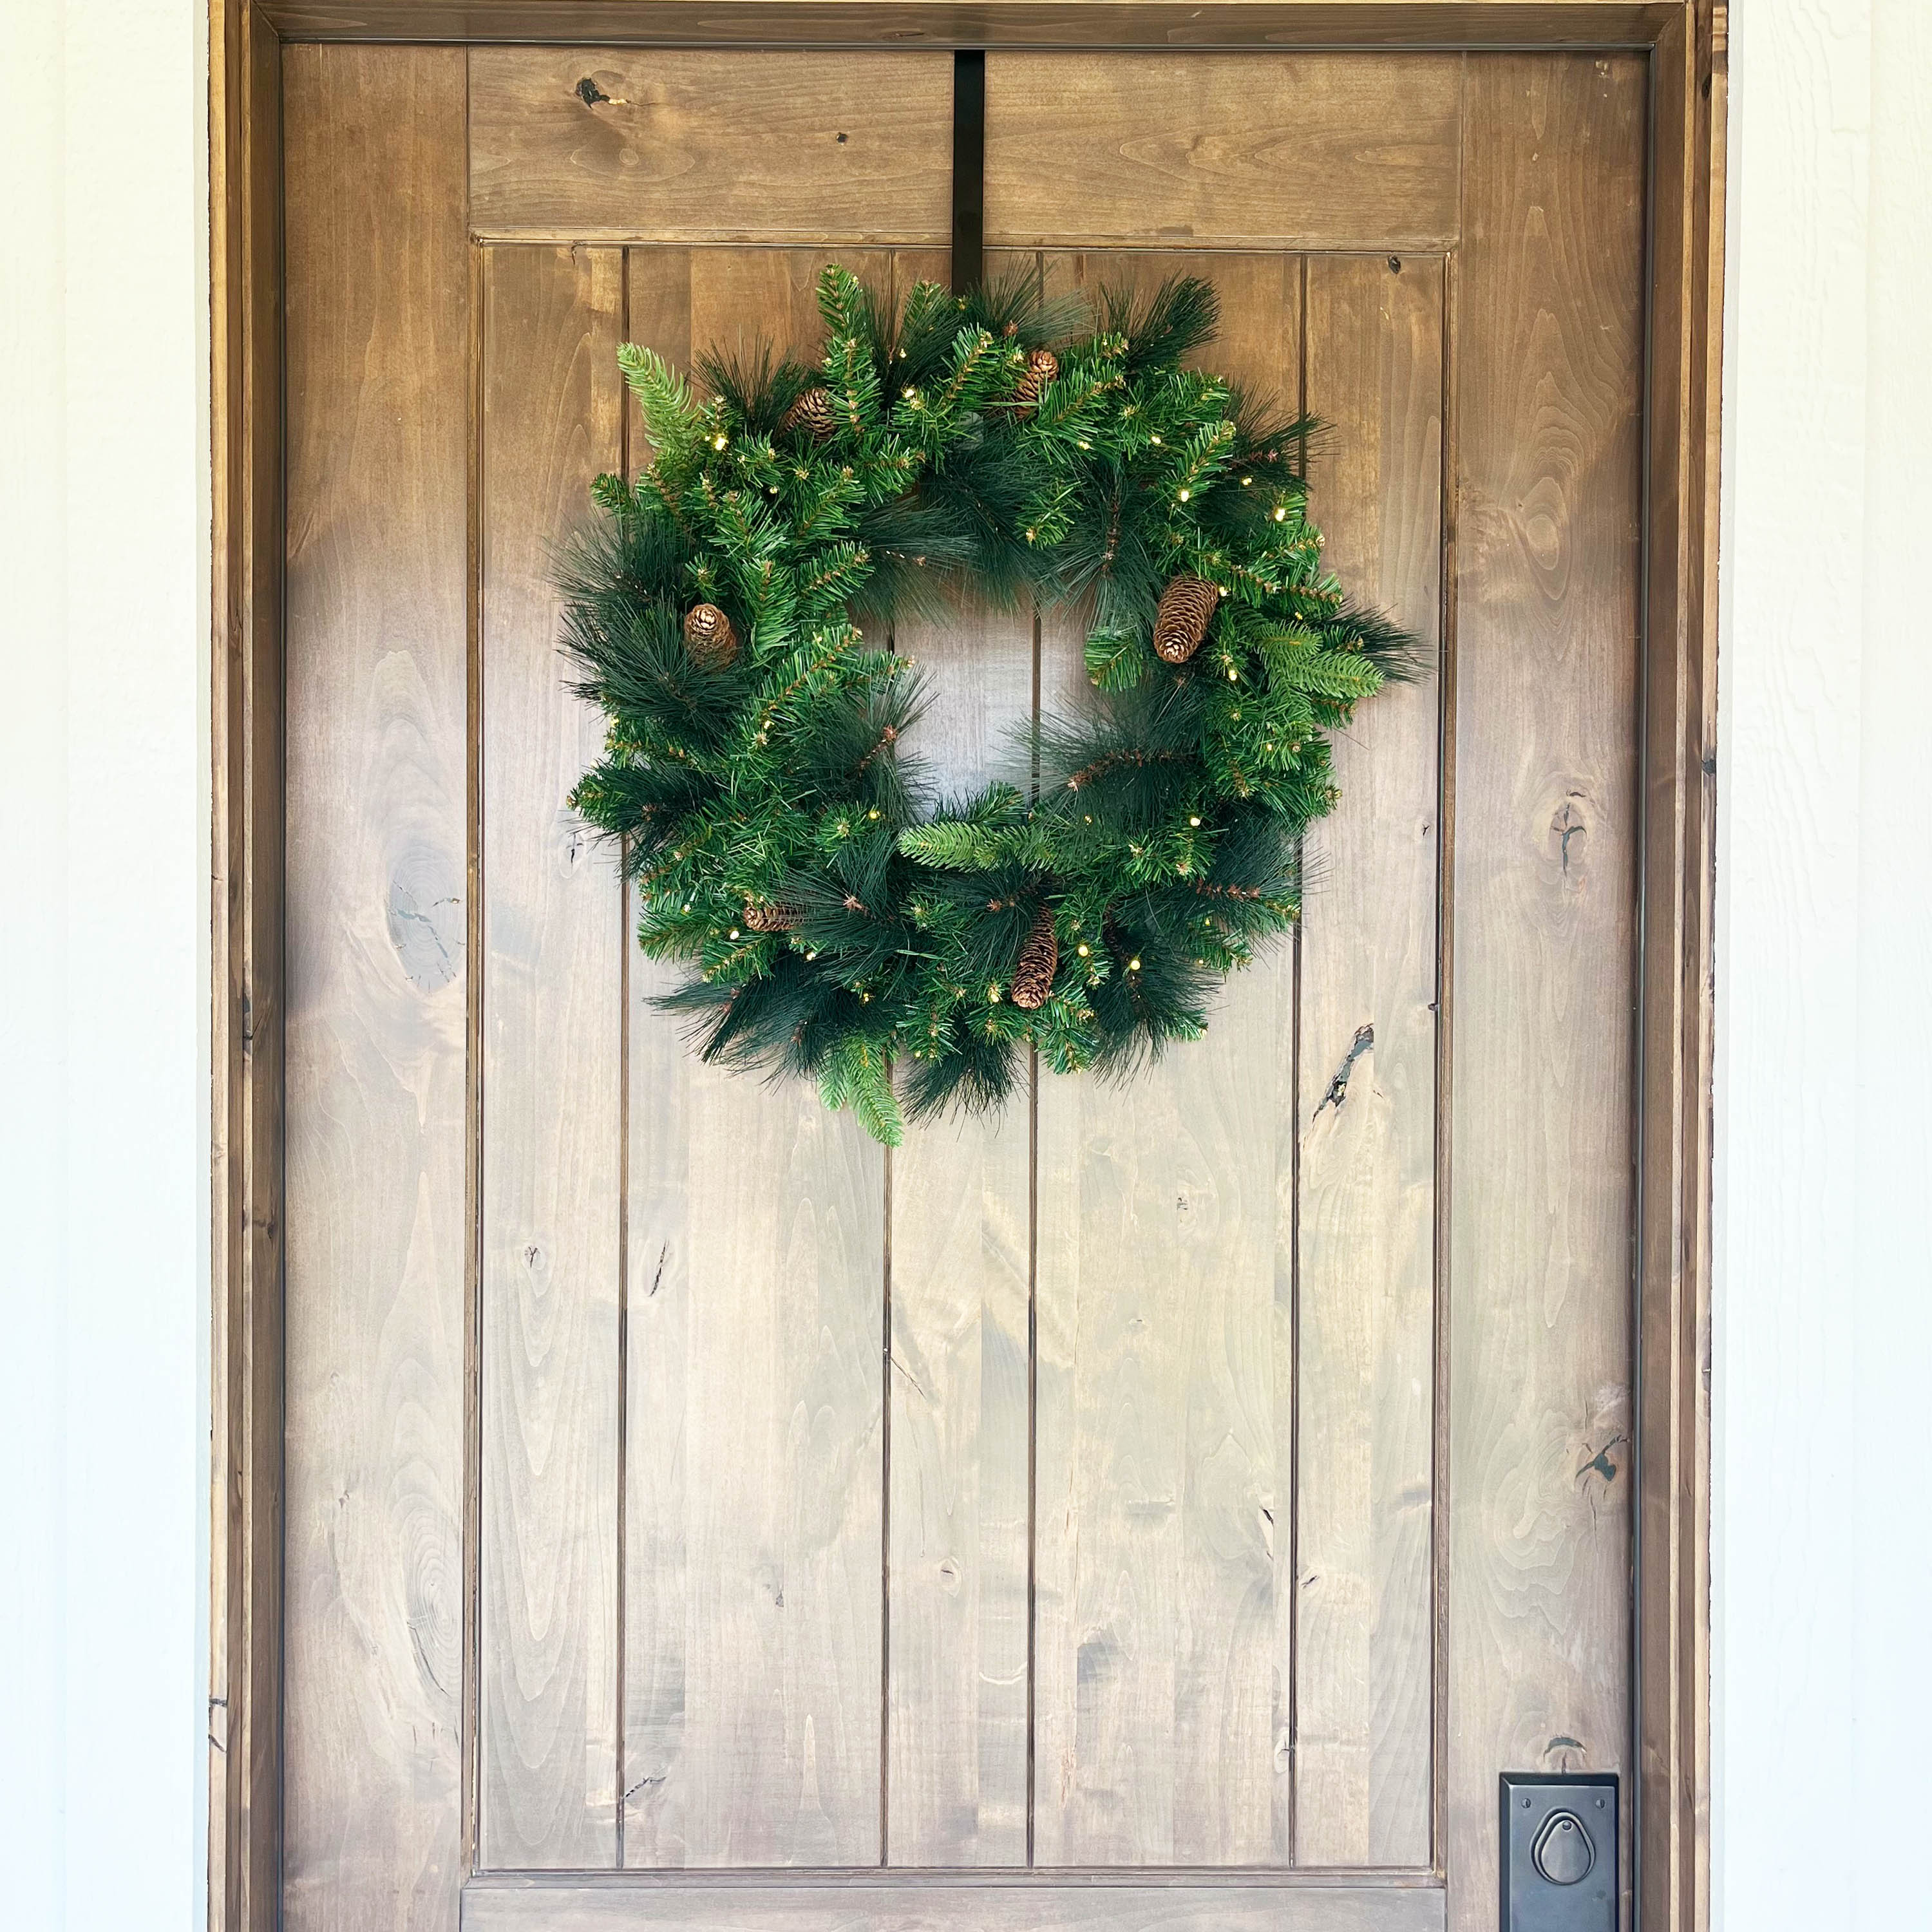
1171, 1505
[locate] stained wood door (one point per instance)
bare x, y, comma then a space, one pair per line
1170, 1505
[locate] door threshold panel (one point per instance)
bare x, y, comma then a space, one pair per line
1011, 1902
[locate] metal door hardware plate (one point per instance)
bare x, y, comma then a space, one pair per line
1558, 1852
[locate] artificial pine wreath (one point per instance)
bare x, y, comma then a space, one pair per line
731, 613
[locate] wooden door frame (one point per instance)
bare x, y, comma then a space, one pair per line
1685, 42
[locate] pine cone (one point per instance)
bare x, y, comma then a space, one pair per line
1042, 366
709, 637
760, 917
1039, 960
810, 416
1181, 621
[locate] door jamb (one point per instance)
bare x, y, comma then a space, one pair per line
1686, 42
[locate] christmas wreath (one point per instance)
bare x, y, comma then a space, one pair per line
730, 611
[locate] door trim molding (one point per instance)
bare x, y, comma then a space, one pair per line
1686, 42
1039, 26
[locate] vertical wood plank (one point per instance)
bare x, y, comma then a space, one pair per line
657, 1284
956, 1718
1365, 1370
377, 317
1671, 1805
553, 1010
1549, 386
755, 1353
248, 1525
1164, 1310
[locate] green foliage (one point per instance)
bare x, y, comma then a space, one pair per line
1161, 825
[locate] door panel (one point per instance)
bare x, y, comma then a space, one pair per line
584, 143
1366, 1388
958, 1685
753, 1429
554, 953
1164, 1420
1223, 151
1220, 1473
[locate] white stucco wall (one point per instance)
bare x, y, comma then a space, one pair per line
1823, 1699
1823, 1547
103, 924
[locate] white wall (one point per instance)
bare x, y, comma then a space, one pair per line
1823, 1701
1824, 1538
104, 857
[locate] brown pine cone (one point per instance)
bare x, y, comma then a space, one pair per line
1039, 960
1180, 623
1042, 366
709, 637
760, 917
810, 416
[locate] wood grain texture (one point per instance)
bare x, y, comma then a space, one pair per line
1671, 1807
1164, 1417
990, 23
1549, 335
553, 1042
1319, 151
377, 316
1365, 1382
1197, 1905
960, 1384
247, 1095
692, 146
755, 1355
403, 1887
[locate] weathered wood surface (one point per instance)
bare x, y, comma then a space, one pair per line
1075, 24
1686, 255
553, 1042
690, 146
960, 1238
1223, 151
248, 1527
1164, 1413
873, 1906
1549, 345
754, 1359
787, 1613
377, 404
1366, 1381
